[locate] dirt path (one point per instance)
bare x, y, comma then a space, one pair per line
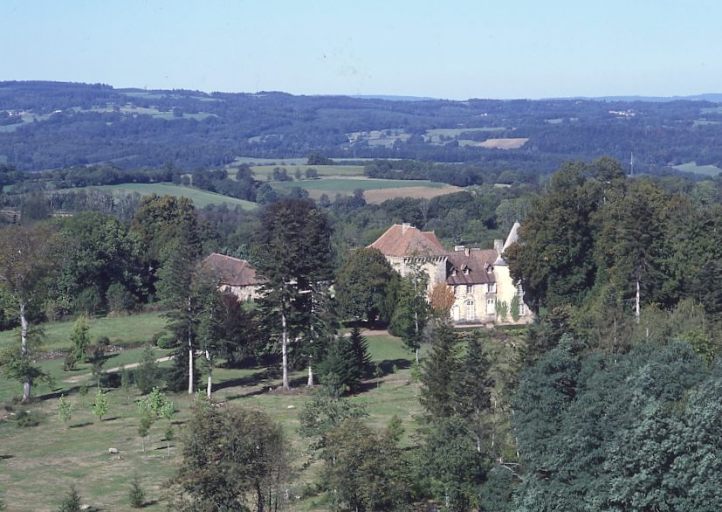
77, 378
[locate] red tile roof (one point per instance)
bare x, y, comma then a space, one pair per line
231, 271
404, 240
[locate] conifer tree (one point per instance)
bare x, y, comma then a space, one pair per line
439, 370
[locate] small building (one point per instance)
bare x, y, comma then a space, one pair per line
484, 292
233, 275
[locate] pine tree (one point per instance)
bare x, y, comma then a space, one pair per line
439, 370
71, 502
175, 289
472, 388
360, 351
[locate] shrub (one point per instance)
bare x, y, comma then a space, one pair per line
89, 301
119, 299
136, 495
71, 502
146, 376
27, 419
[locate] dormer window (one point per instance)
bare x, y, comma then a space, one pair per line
466, 271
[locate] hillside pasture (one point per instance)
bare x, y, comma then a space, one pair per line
704, 170
200, 198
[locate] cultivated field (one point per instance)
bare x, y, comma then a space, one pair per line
375, 190
511, 143
199, 197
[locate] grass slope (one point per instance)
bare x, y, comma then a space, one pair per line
58, 455
200, 198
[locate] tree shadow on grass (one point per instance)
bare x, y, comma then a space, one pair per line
57, 393
388, 366
6, 457
81, 425
249, 380
112, 418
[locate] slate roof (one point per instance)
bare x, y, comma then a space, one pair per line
476, 262
404, 240
231, 271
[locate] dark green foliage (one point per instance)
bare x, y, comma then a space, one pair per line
412, 310
440, 368
233, 459
364, 470
119, 299
323, 413
365, 286
619, 431
338, 369
294, 255
147, 373
136, 494
451, 463
360, 353
71, 502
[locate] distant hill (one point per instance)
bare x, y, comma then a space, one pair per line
713, 97
49, 125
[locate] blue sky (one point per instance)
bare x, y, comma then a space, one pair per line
453, 49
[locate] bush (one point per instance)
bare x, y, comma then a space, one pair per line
136, 495
71, 502
146, 376
119, 299
165, 340
27, 419
89, 301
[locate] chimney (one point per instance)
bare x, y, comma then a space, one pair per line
467, 251
405, 226
499, 247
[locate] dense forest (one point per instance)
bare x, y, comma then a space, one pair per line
48, 125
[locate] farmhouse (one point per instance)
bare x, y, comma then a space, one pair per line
233, 275
484, 292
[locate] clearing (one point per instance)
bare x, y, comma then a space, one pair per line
511, 143
704, 170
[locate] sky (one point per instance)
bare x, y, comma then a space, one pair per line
451, 49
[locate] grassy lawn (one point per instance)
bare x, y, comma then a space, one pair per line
122, 330
58, 455
199, 197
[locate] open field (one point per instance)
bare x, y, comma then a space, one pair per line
264, 171
512, 143
378, 196
200, 198
380, 189
705, 170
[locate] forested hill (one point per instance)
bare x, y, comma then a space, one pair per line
45, 125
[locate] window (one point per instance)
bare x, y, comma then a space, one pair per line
469, 287
491, 288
